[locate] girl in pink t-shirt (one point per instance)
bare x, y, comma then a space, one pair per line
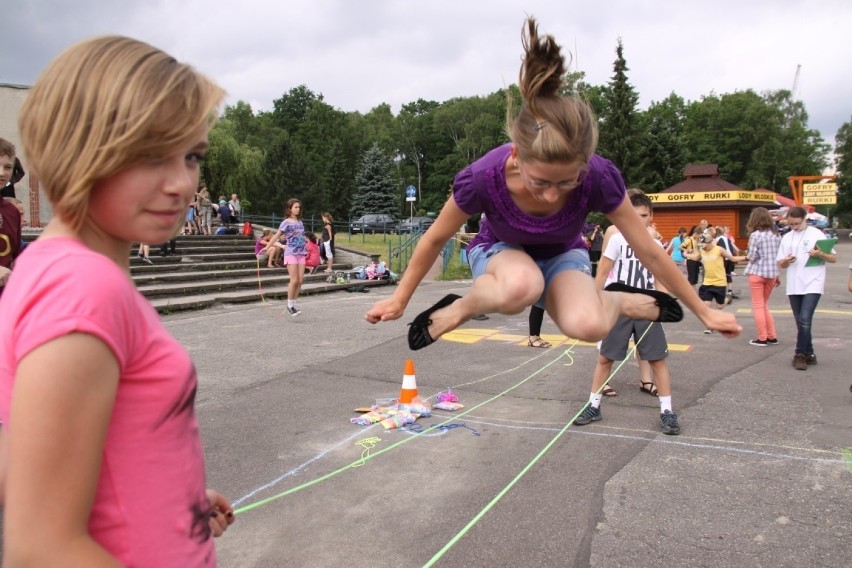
101, 460
312, 258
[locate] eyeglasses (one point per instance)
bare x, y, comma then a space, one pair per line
541, 184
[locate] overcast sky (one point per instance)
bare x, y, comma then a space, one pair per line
361, 53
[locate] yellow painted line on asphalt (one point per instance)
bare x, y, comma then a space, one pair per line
471, 335
790, 312
473, 331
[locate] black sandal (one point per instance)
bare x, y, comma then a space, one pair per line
418, 332
670, 310
652, 390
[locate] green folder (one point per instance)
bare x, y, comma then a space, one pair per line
826, 246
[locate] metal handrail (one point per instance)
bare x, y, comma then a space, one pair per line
399, 257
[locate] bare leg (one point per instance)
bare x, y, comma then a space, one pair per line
602, 372
511, 283
662, 376
297, 274
645, 375
582, 311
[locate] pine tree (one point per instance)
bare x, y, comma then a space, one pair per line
618, 131
378, 190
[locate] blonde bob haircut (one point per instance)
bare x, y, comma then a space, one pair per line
549, 127
106, 104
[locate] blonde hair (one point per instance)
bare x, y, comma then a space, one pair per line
106, 104
549, 127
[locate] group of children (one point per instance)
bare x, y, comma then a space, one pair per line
273, 256
121, 403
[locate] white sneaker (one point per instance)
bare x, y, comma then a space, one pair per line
709, 331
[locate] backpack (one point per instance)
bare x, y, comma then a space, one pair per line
247, 230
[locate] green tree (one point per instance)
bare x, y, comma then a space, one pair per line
230, 167
575, 84
797, 150
242, 120
380, 126
419, 147
467, 128
729, 130
843, 164
662, 151
618, 136
378, 190
291, 109
758, 141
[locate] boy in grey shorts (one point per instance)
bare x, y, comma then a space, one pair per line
619, 264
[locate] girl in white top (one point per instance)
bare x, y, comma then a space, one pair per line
805, 284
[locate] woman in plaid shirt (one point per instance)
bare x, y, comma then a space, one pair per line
762, 271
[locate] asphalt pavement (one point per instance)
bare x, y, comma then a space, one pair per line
761, 475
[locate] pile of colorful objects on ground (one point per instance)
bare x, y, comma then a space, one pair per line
408, 408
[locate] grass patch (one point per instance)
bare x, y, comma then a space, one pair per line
456, 271
370, 244
378, 244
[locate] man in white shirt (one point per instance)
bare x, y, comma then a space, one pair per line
805, 284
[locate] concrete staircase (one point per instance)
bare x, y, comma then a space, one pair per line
222, 269
210, 270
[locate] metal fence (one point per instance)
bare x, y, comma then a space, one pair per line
314, 225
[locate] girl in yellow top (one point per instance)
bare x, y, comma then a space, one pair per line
712, 256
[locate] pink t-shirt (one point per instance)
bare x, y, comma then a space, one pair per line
150, 507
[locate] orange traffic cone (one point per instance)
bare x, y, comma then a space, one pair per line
409, 384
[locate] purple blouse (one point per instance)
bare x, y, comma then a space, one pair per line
481, 188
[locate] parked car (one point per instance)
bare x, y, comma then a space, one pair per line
373, 223
415, 223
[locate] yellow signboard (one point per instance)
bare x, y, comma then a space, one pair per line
820, 187
709, 196
821, 200
819, 193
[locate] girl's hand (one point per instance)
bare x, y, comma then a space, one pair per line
385, 310
221, 513
723, 322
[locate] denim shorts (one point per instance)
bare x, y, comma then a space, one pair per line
574, 259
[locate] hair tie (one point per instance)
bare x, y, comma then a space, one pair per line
540, 125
